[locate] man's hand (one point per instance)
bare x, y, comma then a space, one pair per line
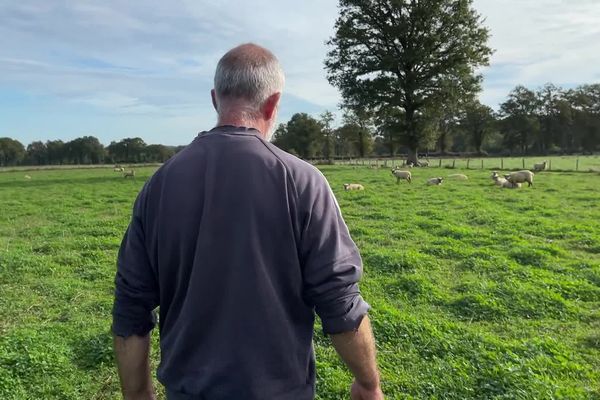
360, 392
132, 355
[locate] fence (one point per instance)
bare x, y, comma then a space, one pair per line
554, 163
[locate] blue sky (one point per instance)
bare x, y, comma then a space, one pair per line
118, 69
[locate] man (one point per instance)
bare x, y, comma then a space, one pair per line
239, 243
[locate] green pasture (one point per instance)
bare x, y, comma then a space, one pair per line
477, 292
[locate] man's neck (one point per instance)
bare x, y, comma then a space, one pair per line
238, 121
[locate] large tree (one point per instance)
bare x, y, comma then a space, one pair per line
403, 59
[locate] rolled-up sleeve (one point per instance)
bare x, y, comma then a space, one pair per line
331, 262
136, 289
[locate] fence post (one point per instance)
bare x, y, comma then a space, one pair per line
482, 163
577, 164
468, 161
502, 163
550, 165
440, 166
453, 163
523, 163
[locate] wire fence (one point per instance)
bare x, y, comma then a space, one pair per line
554, 163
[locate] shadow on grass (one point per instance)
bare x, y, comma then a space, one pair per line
90, 352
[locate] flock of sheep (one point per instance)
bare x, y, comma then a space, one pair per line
513, 180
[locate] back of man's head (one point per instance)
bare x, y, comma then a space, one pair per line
248, 73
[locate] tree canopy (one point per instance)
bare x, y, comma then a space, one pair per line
404, 59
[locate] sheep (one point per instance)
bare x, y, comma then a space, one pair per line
423, 163
435, 181
459, 177
27, 177
129, 174
498, 180
540, 166
409, 164
119, 169
353, 186
510, 185
399, 174
520, 177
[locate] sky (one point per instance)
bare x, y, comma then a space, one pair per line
118, 68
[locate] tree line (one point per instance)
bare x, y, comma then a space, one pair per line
550, 120
83, 150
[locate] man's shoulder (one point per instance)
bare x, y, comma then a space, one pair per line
299, 169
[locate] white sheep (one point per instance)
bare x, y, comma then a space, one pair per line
510, 185
423, 163
399, 174
540, 166
119, 169
498, 180
435, 181
129, 174
459, 177
520, 177
27, 177
353, 186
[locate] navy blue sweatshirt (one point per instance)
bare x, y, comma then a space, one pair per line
238, 243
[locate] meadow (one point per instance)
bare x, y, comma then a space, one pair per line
477, 292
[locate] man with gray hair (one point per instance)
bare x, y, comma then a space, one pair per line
239, 243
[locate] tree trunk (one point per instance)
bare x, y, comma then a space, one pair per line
413, 155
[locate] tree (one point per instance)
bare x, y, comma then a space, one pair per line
12, 152
477, 123
129, 150
85, 150
56, 150
357, 131
158, 153
326, 119
37, 153
403, 59
302, 135
520, 123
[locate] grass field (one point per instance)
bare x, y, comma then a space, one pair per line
477, 292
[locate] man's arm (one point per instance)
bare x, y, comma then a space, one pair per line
136, 296
332, 268
133, 364
357, 350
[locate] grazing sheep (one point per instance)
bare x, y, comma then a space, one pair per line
129, 174
520, 177
423, 163
27, 177
353, 186
459, 177
409, 164
399, 174
540, 167
119, 169
435, 181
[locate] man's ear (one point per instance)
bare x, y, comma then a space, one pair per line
213, 95
270, 106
